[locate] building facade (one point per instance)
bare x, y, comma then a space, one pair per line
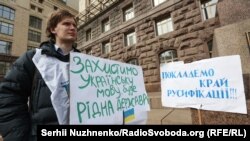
22, 27
150, 32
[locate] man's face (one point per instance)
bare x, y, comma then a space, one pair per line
66, 30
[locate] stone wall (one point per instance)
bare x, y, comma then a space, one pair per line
232, 11
188, 38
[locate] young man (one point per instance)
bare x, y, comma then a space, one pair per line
19, 120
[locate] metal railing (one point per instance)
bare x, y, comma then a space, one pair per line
94, 8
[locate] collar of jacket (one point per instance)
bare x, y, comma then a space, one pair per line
48, 48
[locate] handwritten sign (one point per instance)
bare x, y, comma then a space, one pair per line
106, 92
212, 84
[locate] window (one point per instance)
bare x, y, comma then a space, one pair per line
130, 39
133, 61
33, 7
105, 25
40, 10
40, 1
168, 56
55, 8
106, 48
157, 2
7, 13
248, 38
208, 8
31, 47
34, 36
164, 26
4, 67
64, 1
35, 22
88, 35
128, 13
210, 47
6, 28
89, 51
5, 47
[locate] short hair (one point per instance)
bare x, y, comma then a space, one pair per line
54, 19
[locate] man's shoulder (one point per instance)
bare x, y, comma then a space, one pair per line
31, 53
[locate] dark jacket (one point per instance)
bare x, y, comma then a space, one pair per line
25, 98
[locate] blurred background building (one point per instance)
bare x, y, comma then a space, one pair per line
22, 26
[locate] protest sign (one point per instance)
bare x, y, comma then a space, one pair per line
103, 91
212, 84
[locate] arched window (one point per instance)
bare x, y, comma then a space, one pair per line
168, 56
133, 61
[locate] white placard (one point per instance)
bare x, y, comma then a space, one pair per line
212, 84
103, 91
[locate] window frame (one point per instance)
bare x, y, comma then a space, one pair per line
41, 1
89, 51
7, 10
210, 47
9, 28
35, 22
132, 60
204, 8
106, 47
55, 8
7, 47
128, 13
5, 68
173, 57
33, 7
105, 25
34, 36
127, 38
64, 1
167, 21
158, 2
40, 10
88, 34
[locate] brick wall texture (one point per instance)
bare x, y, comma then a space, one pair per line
189, 38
